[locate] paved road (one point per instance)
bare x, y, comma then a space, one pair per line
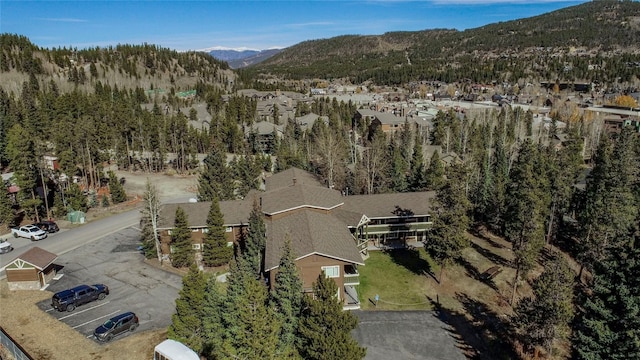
406, 335
67, 240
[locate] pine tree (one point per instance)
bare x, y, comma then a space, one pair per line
215, 178
523, 219
286, 298
117, 190
187, 322
325, 329
252, 325
182, 252
21, 153
435, 173
216, 252
213, 330
545, 318
6, 211
255, 240
398, 169
418, 181
447, 239
608, 327
76, 200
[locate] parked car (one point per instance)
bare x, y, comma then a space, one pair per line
30, 232
5, 246
69, 299
48, 226
116, 326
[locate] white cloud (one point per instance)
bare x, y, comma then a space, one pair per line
70, 20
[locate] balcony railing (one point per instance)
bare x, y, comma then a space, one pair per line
351, 276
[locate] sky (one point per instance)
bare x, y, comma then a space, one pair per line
242, 24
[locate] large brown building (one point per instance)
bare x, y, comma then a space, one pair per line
329, 233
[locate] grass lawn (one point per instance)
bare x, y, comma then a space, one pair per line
399, 277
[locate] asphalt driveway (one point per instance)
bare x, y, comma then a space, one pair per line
405, 335
133, 285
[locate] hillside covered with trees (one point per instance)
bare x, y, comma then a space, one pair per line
594, 41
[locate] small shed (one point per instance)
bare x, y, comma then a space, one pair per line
33, 270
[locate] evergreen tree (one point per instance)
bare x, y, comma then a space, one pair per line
22, 159
117, 190
76, 200
545, 317
325, 329
213, 330
500, 184
398, 169
435, 173
187, 322
418, 181
6, 211
608, 325
256, 326
523, 220
447, 239
215, 178
255, 241
216, 252
286, 298
182, 252
483, 192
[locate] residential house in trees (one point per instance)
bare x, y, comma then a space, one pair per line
388, 122
330, 233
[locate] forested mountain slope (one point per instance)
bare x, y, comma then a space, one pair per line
147, 67
560, 44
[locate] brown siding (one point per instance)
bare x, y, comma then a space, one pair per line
310, 268
198, 236
22, 275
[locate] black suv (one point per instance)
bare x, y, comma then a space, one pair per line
116, 326
48, 226
82, 294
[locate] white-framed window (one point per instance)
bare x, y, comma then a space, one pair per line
169, 232
229, 229
205, 230
195, 246
195, 230
172, 249
331, 271
230, 244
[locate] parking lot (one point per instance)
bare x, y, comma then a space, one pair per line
133, 285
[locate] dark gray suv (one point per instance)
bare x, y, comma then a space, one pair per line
116, 326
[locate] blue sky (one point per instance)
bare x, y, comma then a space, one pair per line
198, 25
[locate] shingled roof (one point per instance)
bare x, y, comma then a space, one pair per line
288, 177
235, 212
310, 232
384, 205
37, 257
298, 196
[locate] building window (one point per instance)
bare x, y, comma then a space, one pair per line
195, 246
331, 271
172, 249
229, 229
205, 230
195, 230
169, 232
230, 244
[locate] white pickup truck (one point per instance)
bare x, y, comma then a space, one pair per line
30, 232
5, 246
